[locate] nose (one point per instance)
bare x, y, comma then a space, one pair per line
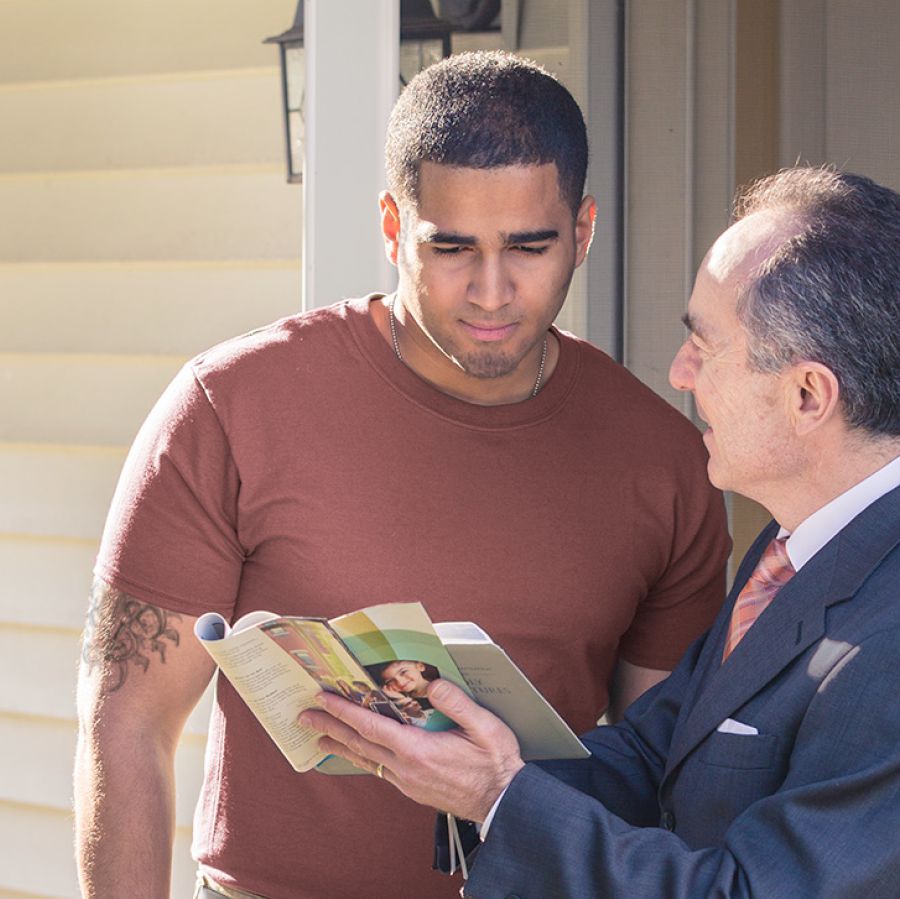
683, 367
491, 287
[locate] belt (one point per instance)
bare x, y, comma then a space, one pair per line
207, 888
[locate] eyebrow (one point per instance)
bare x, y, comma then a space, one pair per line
466, 240
532, 236
460, 240
693, 326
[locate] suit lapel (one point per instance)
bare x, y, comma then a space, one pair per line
793, 622
710, 659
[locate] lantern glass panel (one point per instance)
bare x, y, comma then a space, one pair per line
293, 60
294, 84
295, 124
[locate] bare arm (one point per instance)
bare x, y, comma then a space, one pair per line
141, 674
629, 682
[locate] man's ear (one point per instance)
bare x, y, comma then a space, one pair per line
390, 224
585, 219
815, 394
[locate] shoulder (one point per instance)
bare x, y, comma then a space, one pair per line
284, 374
263, 348
855, 668
858, 575
867, 572
284, 358
622, 401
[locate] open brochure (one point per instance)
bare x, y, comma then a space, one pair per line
497, 683
382, 658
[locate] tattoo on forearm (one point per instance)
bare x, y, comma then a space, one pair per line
122, 632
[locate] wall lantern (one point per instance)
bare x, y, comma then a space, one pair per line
424, 39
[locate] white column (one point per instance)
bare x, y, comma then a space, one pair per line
596, 58
351, 48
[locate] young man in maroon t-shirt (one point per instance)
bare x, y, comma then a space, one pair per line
445, 444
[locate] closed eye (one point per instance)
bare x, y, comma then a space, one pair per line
530, 249
448, 250
698, 345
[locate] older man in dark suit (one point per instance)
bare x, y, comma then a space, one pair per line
768, 763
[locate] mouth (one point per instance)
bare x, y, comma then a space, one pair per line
705, 427
487, 332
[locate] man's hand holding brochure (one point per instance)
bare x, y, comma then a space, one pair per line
388, 659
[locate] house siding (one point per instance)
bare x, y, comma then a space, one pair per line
144, 217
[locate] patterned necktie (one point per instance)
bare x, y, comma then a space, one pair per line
772, 572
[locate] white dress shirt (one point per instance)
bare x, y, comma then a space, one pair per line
814, 532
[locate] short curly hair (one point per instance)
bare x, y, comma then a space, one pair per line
485, 110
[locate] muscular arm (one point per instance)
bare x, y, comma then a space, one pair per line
141, 674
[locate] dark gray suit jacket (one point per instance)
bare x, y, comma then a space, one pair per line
808, 807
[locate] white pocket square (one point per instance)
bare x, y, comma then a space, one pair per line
730, 726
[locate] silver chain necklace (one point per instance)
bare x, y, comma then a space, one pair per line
396, 343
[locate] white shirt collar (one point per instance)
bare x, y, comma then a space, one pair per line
815, 531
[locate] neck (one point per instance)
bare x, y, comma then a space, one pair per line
415, 349
829, 475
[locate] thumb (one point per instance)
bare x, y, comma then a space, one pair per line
446, 697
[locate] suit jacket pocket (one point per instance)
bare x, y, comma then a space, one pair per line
746, 751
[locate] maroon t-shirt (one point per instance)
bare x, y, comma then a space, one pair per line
303, 469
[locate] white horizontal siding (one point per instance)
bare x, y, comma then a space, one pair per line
46, 580
228, 213
38, 756
37, 851
43, 40
143, 217
140, 307
79, 398
38, 859
41, 664
220, 118
56, 490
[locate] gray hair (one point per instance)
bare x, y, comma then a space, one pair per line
831, 292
